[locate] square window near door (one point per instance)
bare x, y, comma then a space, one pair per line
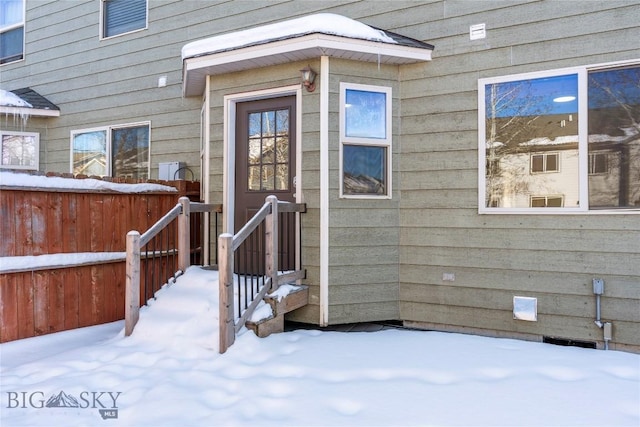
20, 150
365, 141
364, 169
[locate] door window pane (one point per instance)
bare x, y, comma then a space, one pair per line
268, 159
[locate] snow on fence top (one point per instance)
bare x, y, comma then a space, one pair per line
11, 179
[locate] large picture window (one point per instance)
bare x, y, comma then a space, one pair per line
11, 30
123, 16
20, 150
118, 151
365, 141
573, 133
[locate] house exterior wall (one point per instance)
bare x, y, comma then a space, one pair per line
496, 257
386, 262
363, 233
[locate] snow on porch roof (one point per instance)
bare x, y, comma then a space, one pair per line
27, 102
294, 40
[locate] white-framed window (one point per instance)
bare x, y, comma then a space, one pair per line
545, 162
365, 141
122, 16
598, 163
117, 151
546, 201
20, 150
582, 124
11, 30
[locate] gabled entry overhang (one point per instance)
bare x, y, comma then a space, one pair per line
296, 40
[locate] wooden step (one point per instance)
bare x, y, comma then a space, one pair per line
294, 300
275, 323
265, 327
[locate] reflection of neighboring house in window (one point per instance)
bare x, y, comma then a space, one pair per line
540, 170
268, 163
132, 163
91, 164
614, 162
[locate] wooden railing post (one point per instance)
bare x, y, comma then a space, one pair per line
184, 232
225, 297
271, 242
132, 283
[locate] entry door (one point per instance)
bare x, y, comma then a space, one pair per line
265, 165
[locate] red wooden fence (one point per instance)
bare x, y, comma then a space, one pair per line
38, 222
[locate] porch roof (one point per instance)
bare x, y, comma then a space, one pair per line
295, 40
27, 102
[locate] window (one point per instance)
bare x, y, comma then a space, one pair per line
118, 151
123, 16
598, 163
580, 123
20, 150
11, 30
365, 141
546, 201
544, 163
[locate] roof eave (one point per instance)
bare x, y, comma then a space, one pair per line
28, 112
195, 69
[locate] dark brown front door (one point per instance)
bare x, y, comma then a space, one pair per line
265, 163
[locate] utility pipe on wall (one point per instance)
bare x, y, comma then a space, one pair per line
607, 327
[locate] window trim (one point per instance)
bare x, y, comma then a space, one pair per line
108, 130
103, 27
582, 73
385, 142
37, 150
11, 27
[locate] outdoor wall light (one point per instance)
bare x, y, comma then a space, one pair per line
308, 77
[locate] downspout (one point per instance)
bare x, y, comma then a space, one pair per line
324, 190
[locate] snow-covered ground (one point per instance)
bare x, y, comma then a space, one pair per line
169, 373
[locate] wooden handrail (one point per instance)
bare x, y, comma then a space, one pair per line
135, 241
228, 244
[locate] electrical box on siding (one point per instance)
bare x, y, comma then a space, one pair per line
170, 171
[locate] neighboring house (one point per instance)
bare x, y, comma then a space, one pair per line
467, 166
